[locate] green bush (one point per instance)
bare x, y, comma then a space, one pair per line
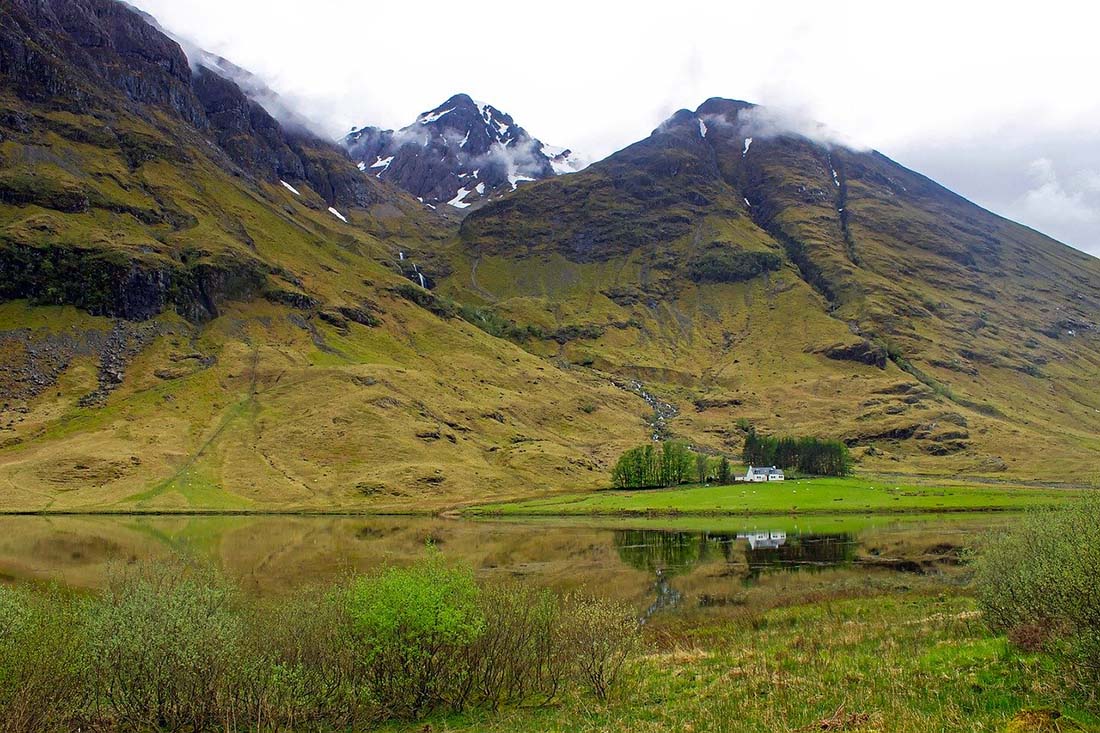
40, 662
1040, 578
162, 643
412, 625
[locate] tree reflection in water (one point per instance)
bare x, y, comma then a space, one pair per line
668, 554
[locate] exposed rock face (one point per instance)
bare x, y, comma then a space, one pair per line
864, 352
461, 153
131, 288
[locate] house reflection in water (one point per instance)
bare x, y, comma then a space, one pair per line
764, 540
669, 555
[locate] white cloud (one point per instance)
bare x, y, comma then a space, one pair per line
1049, 199
772, 121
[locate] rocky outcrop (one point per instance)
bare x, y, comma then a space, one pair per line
114, 284
863, 352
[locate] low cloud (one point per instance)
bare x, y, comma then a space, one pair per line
517, 159
766, 122
1052, 199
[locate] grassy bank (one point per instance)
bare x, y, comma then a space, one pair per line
846, 495
908, 662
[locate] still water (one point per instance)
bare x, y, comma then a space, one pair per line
656, 565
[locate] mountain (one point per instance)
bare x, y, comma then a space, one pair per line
750, 269
202, 307
461, 153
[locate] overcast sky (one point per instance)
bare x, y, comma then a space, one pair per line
998, 101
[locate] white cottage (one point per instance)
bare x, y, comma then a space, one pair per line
759, 474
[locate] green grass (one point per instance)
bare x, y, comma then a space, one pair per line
804, 496
901, 663
801, 524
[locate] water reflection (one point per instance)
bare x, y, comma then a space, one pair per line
673, 553
656, 569
746, 555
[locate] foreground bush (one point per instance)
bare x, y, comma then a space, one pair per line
162, 643
174, 648
413, 625
1039, 581
41, 681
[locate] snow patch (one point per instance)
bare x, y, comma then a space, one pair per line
382, 162
836, 180
290, 188
480, 188
457, 200
337, 214
563, 160
515, 179
361, 165
702, 129
433, 116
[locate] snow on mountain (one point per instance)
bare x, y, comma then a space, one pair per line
436, 157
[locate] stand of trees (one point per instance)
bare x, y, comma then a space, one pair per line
652, 466
671, 463
806, 455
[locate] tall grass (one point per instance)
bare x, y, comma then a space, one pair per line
173, 647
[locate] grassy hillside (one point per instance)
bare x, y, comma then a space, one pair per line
203, 310
805, 289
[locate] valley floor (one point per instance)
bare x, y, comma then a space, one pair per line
850, 495
914, 660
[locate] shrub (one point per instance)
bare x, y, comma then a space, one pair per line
1044, 573
170, 648
599, 636
299, 666
413, 624
162, 640
519, 655
40, 673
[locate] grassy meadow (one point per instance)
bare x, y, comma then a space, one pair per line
844, 495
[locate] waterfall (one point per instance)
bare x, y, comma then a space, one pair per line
401, 256
421, 276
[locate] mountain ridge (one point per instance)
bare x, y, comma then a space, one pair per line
460, 153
